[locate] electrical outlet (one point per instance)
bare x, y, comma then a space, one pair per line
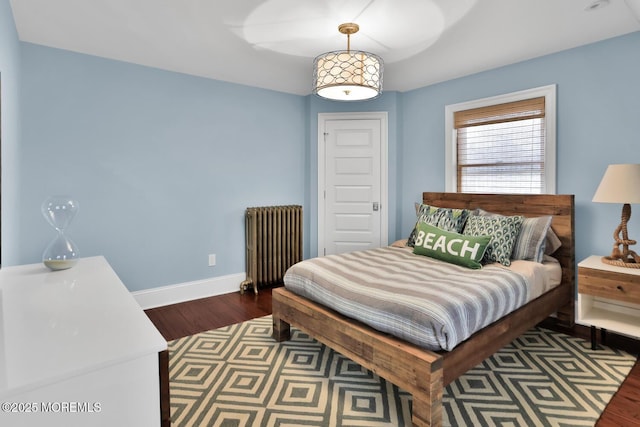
212, 260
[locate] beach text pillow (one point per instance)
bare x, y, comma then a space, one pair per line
449, 246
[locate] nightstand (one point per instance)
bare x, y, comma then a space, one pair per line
608, 298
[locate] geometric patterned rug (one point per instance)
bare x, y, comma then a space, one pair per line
239, 376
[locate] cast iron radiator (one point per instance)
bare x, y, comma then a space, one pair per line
273, 244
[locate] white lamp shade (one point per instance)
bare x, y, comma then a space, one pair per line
347, 75
620, 184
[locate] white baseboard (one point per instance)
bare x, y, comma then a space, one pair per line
172, 294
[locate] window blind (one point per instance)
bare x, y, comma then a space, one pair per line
501, 148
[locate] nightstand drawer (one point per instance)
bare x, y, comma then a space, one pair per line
608, 284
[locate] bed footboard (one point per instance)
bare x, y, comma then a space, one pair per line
411, 368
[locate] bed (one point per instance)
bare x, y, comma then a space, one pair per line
423, 372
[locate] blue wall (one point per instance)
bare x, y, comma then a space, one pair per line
10, 127
164, 164
598, 106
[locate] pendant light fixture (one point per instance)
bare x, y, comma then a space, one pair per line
347, 75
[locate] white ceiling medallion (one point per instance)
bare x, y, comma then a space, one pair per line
394, 29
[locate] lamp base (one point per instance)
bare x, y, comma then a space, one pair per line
629, 262
621, 255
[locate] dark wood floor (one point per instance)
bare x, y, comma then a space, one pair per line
180, 320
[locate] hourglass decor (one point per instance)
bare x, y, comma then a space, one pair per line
61, 253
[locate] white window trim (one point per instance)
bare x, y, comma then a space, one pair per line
549, 93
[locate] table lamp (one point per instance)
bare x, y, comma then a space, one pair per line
621, 184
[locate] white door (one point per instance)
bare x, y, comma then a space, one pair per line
352, 169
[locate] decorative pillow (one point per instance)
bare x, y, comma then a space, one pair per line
503, 229
531, 240
447, 219
536, 237
402, 243
552, 242
451, 247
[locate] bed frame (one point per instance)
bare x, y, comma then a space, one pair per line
421, 372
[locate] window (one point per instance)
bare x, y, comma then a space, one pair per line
503, 144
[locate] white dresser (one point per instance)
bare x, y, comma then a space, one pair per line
76, 349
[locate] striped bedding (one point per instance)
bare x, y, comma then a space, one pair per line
430, 303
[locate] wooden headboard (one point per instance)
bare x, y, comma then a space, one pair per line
561, 207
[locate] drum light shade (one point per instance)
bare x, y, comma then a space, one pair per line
347, 75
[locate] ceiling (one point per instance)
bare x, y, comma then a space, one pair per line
271, 43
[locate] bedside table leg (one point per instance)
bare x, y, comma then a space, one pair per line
593, 338
603, 336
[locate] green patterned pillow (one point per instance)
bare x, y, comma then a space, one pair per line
451, 247
447, 219
532, 238
503, 229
